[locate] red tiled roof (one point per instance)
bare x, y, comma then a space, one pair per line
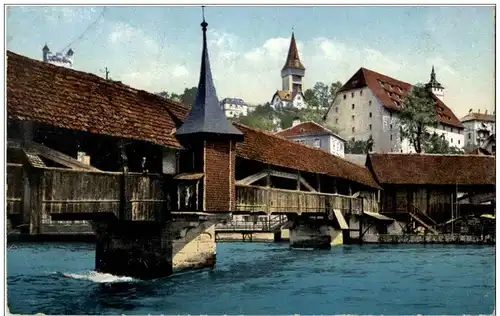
292, 59
390, 91
76, 100
266, 147
478, 117
304, 128
431, 169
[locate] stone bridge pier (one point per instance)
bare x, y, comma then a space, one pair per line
149, 249
318, 232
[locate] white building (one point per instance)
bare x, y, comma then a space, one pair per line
368, 105
58, 59
234, 107
292, 73
313, 134
478, 127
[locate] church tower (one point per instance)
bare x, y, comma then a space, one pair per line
435, 86
293, 71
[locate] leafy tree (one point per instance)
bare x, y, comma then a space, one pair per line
437, 144
417, 112
356, 147
189, 95
321, 92
334, 88
310, 98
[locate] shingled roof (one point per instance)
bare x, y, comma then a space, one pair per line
67, 98
432, 169
308, 128
71, 99
292, 59
206, 115
390, 92
478, 117
268, 148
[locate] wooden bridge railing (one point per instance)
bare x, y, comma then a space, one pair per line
271, 200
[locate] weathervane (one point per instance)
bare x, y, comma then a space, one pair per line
203, 24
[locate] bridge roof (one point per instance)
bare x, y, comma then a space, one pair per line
432, 169
269, 148
67, 98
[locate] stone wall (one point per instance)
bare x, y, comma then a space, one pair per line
193, 245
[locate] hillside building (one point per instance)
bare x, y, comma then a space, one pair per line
368, 105
234, 107
58, 59
315, 135
478, 127
292, 74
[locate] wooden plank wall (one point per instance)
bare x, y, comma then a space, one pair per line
271, 200
14, 188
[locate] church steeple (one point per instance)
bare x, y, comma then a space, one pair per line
293, 71
293, 60
434, 86
206, 116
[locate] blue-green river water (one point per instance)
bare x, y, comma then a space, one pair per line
261, 278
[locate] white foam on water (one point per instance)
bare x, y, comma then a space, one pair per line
99, 277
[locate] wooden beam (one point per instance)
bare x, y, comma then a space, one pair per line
282, 174
307, 185
57, 156
253, 178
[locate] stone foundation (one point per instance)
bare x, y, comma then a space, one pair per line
317, 235
193, 245
149, 250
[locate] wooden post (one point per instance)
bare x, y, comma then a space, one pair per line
36, 186
125, 212
268, 177
318, 181
298, 180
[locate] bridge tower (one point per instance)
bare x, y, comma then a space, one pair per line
183, 235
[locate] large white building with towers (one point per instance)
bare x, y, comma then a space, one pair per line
368, 105
292, 75
58, 59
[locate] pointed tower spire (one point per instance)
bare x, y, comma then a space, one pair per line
292, 59
206, 116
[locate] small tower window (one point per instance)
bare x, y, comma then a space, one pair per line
352, 117
370, 115
391, 137
370, 127
361, 92
353, 129
345, 96
352, 94
336, 121
370, 102
353, 106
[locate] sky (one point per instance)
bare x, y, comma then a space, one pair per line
158, 48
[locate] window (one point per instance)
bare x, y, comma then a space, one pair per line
469, 135
300, 141
337, 109
352, 117
391, 137
370, 115
352, 94
353, 106
345, 96
336, 121
353, 129
361, 92
317, 143
390, 126
370, 102
353, 139
459, 141
370, 126
451, 140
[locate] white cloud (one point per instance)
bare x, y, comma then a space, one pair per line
180, 71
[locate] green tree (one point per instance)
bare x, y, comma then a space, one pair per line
418, 111
334, 88
310, 98
357, 147
187, 98
321, 93
437, 144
